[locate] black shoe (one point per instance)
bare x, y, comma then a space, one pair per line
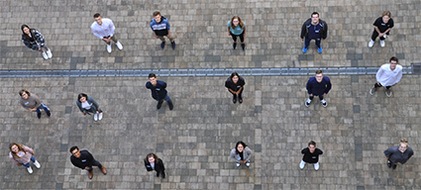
159, 105
163, 175
240, 99
39, 115
389, 164
48, 113
157, 174
173, 45
394, 166
243, 46
163, 45
234, 45
234, 100
170, 105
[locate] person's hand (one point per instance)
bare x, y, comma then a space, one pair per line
32, 109
84, 113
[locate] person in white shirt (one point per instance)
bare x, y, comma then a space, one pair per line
103, 28
388, 75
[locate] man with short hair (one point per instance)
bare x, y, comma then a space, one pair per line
398, 154
311, 155
84, 160
103, 28
161, 27
318, 85
313, 28
158, 91
388, 75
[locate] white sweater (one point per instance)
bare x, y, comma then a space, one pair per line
386, 77
105, 29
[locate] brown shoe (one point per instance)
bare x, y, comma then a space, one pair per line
90, 174
104, 170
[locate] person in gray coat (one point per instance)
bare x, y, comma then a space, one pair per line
87, 104
241, 154
398, 154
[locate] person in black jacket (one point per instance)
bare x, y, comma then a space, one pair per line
398, 154
235, 85
84, 160
318, 85
311, 155
158, 91
313, 28
34, 40
152, 162
382, 27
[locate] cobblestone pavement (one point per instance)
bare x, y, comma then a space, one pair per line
195, 138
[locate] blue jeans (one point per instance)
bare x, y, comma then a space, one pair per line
27, 165
167, 99
307, 42
44, 107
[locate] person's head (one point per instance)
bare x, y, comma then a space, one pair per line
234, 77
152, 78
75, 151
82, 97
319, 76
25, 29
24, 94
393, 62
157, 16
151, 157
403, 145
15, 148
312, 146
98, 18
240, 146
315, 17
235, 21
386, 16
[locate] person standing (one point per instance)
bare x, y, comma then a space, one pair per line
34, 40
388, 75
84, 160
237, 28
161, 27
21, 155
398, 154
158, 91
103, 28
235, 85
382, 27
87, 104
311, 155
32, 103
314, 28
318, 85
241, 154
152, 162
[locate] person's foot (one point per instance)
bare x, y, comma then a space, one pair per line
158, 106
109, 48
324, 103
39, 115
234, 100
104, 170
95, 116
119, 45
90, 174
248, 164
316, 166
100, 116
37, 164
373, 90
170, 105
163, 175
234, 45
237, 164
163, 45
240, 99
370, 43
320, 50
49, 54
157, 174
382, 43
302, 164
307, 102
304, 50
44, 55
388, 93
48, 113
394, 166
29, 169
389, 164
173, 45
243, 46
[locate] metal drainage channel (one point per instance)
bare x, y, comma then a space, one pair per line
211, 72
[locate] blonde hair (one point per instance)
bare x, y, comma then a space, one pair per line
387, 13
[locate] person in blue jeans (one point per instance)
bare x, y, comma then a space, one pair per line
313, 28
22, 155
87, 104
158, 91
237, 28
32, 103
318, 85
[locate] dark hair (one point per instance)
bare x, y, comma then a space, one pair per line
151, 155
152, 75
387, 13
73, 148
238, 143
394, 59
20, 147
96, 15
319, 71
240, 22
234, 74
81, 95
156, 13
24, 26
311, 143
24, 90
315, 13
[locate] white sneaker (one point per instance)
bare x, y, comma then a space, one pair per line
324, 103
37, 164
119, 45
370, 43
49, 54
100, 116
44, 55
382, 43
95, 116
237, 164
109, 48
307, 103
302, 164
316, 166
248, 164
30, 170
